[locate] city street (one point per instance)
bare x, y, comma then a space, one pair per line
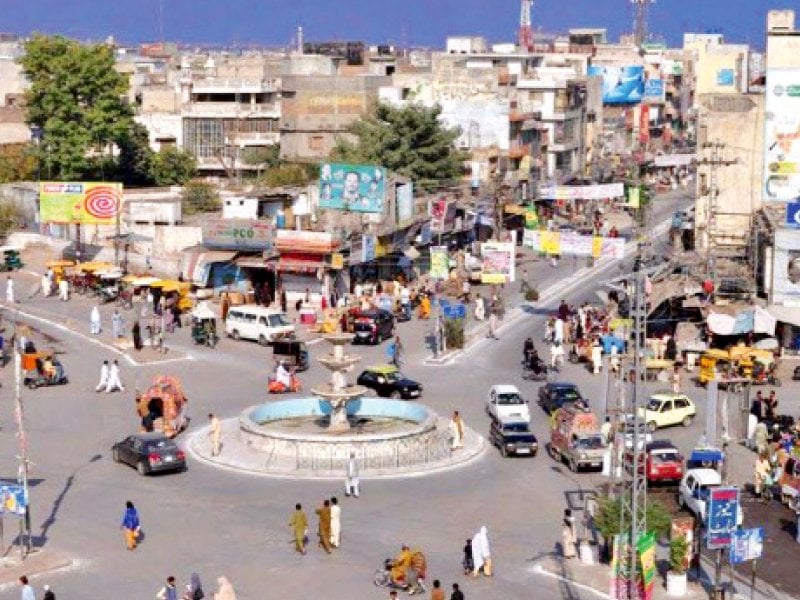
218, 522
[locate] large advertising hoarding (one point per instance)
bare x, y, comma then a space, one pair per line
621, 85
782, 135
357, 188
498, 262
80, 202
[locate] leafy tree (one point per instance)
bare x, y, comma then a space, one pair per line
77, 98
10, 217
265, 157
18, 162
408, 140
135, 157
200, 197
172, 166
608, 518
286, 175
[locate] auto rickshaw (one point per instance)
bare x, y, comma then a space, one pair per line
11, 259
167, 287
715, 365
133, 285
109, 285
204, 326
291, 353
42, 369
59, 268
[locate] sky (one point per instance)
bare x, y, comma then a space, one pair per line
403, 23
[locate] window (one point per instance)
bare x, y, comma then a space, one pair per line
316, 143
667, 406
681, 403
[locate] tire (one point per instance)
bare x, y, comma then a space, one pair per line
504, 452
552, 452
395, 395
573, 466
235, 335
652, 426
141, 468
380, 578
115, 455
262, 340
32, 385
687, 420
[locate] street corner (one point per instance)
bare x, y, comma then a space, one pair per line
36, 565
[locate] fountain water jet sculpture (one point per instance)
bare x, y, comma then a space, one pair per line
337, 392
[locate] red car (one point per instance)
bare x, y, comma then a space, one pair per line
663, 462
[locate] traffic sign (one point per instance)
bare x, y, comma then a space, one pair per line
747, 544
723, 507
12, 499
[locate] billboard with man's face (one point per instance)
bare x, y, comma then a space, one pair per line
357, 188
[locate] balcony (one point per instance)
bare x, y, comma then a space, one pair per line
221, 85
231, 110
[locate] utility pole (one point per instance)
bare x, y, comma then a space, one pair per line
713, 161
640, 21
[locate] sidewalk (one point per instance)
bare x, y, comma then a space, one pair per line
37, 564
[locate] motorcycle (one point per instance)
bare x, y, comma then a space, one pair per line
383, 578
535, 371
276, 387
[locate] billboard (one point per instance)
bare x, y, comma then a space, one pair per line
782, 135
404, 203
498, 262
357, 188
654, 90
80, 202
238, 234
621, 85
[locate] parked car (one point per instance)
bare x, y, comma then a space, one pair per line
505, 402
663, 463
694, 492
149, 453
259, 324
555, 395
372, 327
389, 381
513, 437
668, 408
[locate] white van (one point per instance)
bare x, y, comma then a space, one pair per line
257, 323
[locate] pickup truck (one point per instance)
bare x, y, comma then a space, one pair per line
575, 437
694, 492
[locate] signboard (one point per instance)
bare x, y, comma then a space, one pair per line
12, 499
498, 262
747, 544
621, 85
337, 261
238, 234
598, 191
357, 188
439, 262
404, 203
531, 218
644, 123
646, 549
726, 77
443, 215
573, 244
793, 214
782, 135
634, 196
654, 90
723, 506
314, 242
80, 202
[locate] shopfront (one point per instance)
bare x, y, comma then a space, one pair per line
303, 264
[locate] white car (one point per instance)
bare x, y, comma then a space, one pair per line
694, 491
505, 403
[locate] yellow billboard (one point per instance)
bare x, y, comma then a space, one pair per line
80, 202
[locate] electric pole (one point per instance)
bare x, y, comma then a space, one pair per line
713, 161
640, 8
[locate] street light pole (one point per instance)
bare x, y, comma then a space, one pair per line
23, 451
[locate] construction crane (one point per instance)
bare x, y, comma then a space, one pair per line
525, 34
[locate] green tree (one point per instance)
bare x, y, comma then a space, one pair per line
18, 162
10, 217
608, 517
408, 140
172, 166
135, 157
263, 157
200, 197
285, 175
77, 98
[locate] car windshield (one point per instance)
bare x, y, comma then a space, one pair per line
568, 394
665, 457
654, 404
516, 427
278, 320
156, 445
510, 398
589, 442
394, 376
527, 438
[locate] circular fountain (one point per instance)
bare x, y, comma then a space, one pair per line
315, 436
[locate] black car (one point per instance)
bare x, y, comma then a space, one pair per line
388, 381
553, 396
149, 453
372, 327
513, 437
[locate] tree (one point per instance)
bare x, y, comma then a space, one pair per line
135, 157
17, 162
285, 175
263, 157
10, 217
77, 98
408, 140
199, 196
608, 518
172, 166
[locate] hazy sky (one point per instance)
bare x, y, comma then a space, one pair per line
405, 22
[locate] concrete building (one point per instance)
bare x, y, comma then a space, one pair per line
717, 67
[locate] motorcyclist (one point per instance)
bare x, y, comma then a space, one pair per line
283, 376
399, 566
527, 349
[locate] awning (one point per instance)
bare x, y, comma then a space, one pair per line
203, 311
253, 262
755, 319
217, 256
514, 209
785, 314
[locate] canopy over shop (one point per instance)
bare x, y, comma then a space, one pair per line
303, 263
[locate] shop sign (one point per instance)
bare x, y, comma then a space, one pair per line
315, 242
337, 261
238, 234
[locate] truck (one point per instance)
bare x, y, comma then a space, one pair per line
575, 438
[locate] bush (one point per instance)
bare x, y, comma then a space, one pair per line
200, 197
678, 550
10, 217
454, 333
531, 295
608, 516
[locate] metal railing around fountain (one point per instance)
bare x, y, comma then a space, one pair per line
433, 447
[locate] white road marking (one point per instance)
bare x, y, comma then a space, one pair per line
540, 570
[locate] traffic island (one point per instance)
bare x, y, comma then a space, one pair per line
39, 562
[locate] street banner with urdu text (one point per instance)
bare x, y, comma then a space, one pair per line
440, 264
498, 262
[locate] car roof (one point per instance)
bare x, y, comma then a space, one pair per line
150, 437
667, 395
561, 384
660, 445
384, 369
705, 476
505, 389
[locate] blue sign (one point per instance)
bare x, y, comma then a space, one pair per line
12, 499
621, 85
793, 214
357, 188
654, 89
747, 544
723, 509
726, 77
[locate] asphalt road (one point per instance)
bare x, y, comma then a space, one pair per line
218, 522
